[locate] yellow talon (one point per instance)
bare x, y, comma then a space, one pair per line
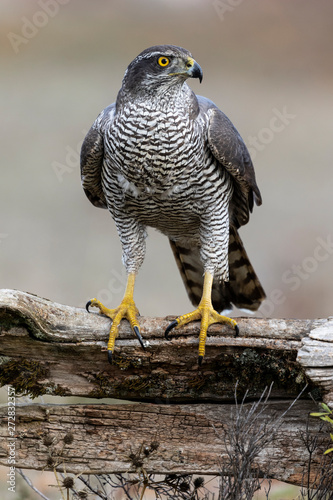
126, 310
208, 316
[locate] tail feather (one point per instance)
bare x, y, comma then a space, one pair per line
243, 288
191, 269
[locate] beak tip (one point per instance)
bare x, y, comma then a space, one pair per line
196, 72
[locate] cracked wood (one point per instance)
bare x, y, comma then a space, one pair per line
187, 438
57, 349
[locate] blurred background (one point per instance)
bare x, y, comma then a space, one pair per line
267, 65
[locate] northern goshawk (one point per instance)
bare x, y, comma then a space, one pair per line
164, 157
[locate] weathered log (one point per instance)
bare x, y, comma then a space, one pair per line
316, 356
56, 349
155, 438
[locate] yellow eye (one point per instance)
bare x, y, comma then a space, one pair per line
163, 61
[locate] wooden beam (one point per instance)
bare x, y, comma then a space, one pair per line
55, 349
60, 350
157, 438
316, 356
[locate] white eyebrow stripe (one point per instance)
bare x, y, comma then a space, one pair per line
159, 53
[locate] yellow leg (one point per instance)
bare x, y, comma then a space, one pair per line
127, 310
206, 312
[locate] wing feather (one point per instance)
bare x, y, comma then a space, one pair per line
230, 150
91, 159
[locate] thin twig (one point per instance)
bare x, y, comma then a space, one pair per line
59, 485
88, 485
29, 483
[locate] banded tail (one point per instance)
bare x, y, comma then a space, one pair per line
243, 288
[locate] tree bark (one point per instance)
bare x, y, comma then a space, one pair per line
169, 439
56, 349
48, 348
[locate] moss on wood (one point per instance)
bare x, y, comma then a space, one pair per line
25, 376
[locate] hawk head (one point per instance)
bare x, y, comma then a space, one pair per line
160, 67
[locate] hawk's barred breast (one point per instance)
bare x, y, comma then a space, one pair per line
159, 169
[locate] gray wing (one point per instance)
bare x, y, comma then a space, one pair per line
229, 149
91, 159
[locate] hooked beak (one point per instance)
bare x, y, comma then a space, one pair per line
194, 70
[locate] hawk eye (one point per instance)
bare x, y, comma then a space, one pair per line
163, 61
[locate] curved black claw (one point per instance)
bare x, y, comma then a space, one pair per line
236, 331
169, 328
200, 358
137, 333
87, 305
110, 353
